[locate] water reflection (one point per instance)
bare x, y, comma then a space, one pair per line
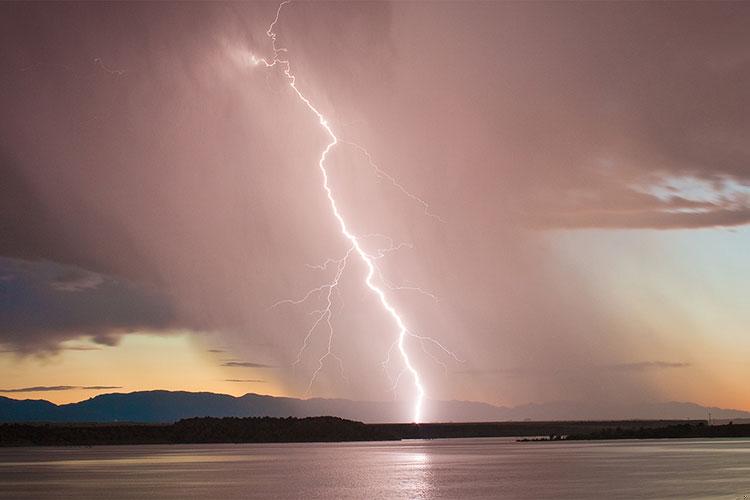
462, 468
414, 475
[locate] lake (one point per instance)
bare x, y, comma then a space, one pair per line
447, 468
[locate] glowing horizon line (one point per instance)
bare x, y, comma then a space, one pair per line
403, 332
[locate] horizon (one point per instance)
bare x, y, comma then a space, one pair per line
551, 404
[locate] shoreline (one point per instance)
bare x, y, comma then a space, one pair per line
210, 430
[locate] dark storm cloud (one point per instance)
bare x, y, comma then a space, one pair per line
133, 145
44, 303
590, 103
70, 151
130, 147
77, 280
60, 77
667, 100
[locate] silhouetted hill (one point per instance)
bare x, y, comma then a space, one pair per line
168, 406
196, 430
291, 429
27, 410
675, 431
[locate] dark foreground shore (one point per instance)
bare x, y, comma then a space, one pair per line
333, 429
675, 431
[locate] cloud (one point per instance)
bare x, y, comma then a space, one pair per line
600, 107
47, 303
528, 371
57, 348
652, 220
664, 217
54, 388
643, 366
111, 209
648, 201
77, 281
190, 183
249, 380
246, 364
41, 388
106, 339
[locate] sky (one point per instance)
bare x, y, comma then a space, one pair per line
586, 167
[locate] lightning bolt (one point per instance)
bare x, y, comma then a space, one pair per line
323, 316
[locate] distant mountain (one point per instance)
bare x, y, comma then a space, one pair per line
27, 410
567, 410
168, 406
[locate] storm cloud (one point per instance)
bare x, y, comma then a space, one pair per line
45, 303
151, 181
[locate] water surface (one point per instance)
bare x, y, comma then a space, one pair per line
447, 468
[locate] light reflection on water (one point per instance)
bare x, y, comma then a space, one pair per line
458, 468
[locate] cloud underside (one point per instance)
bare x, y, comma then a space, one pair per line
642, 366
245, 364
656, 219
607, 202
45, 304
623, 368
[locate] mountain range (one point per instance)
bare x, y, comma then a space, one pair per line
170, 406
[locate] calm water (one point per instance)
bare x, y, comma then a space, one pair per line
458, 468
